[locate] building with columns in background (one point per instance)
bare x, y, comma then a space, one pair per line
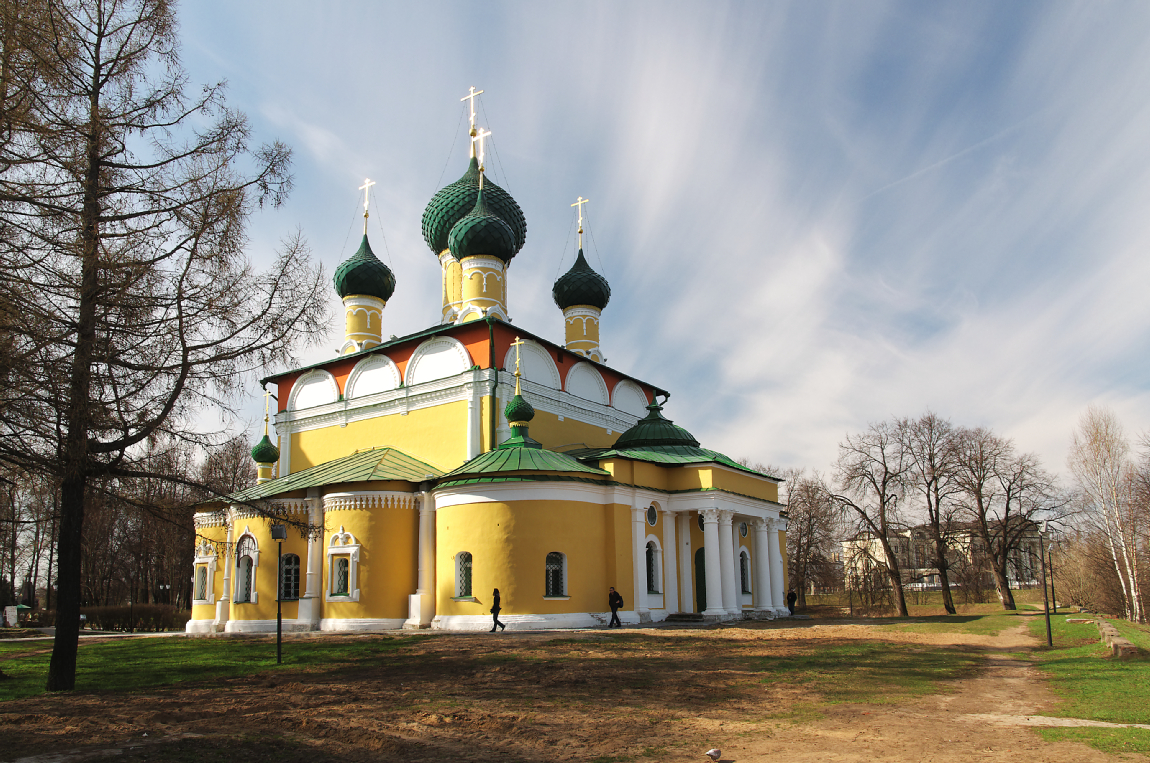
416, 474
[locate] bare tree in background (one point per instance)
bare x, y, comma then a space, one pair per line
812, 530
130, 304
1100, 461
929, 445
869, 475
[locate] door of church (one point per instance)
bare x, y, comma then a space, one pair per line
700, 580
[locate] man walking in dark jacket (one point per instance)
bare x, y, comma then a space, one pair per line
615, 601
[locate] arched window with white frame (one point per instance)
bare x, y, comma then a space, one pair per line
463, 575
654, 565
744, 571
342, 567
555, 583
247, 562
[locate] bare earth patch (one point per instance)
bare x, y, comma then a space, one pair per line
642, 695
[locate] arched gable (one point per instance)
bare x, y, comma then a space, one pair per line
584, 381
629, 398
535, 364
437, 358
316, 387
375, 373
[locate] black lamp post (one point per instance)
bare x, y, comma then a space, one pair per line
279, 533
1045, 601
1053, 596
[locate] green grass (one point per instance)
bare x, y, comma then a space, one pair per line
1094, 686
872, 672
984, 625
128, 664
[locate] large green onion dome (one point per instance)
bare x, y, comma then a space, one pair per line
363, 273
581, 286
264, 452
481, 231
655, 430
454, 201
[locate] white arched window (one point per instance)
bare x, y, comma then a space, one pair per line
463, 575
342, 567
247, 562
654, 567
555, 584
744, 571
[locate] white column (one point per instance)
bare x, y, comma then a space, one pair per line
686, 564
426, 581
224, 603
714, 566
670, 565
310, 604
727, 563
639, 554
778, 595
736, 572
762, 582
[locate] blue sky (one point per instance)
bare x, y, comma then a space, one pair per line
812, 215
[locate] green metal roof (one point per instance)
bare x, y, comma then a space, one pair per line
581, 285
363, 273
655, 430
381, 464
522, 459
501, 478
670, 455
453, 201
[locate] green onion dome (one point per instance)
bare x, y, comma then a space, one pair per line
264, 452
519, 410
454, 201
481, 231
655, 430
363, 273
581, 286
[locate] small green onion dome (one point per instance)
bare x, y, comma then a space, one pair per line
519, 410
454, 201
581, 286
655, 430
481, 231
264, 452
363, 273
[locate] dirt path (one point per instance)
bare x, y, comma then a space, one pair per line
587, 696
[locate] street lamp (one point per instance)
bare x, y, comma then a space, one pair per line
1053, 596
279, 534
1045, 601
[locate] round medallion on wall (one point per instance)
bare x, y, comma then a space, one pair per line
652, 516
700, 523
743, 529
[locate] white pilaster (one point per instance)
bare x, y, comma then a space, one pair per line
726, 551
686, 564
638, 553
778, 595
310, 603
714, 567
224, 604
422, 610
762, 582
670, 564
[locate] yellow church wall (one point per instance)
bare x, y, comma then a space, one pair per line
553, 433
624, 578
744, 484
388, 561
217, 535
509, 544
267, 572
435, 435
688, 478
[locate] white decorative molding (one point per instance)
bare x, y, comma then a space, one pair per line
270, 508
585, 381
313, 388
206, 558
203, 519
535, 364
375, 373
359, 624
365, 500
437, 358
629, 398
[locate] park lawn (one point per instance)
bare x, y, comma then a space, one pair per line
976, 624
136, 663
1094, 686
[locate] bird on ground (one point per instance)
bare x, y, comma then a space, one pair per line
714, 754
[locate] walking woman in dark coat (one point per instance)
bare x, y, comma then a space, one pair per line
495, 613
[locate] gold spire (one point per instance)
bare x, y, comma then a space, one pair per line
367, 184
471, 95
581, 201
267, 405
517, 344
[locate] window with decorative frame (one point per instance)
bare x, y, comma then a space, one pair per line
201, 582
556, 574
343, 567
247, 560
654, 567
463, 564
289, 577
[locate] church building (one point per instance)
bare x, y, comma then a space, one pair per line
417, 474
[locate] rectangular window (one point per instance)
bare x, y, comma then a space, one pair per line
554, 581
342, 575
464, 574
289, 577
201, 583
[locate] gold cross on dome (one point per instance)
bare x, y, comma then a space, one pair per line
579, 203
367, 184
517, 344
472, 94
477, 138
267, 408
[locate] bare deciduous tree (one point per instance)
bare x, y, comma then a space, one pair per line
812, 530
131, 304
